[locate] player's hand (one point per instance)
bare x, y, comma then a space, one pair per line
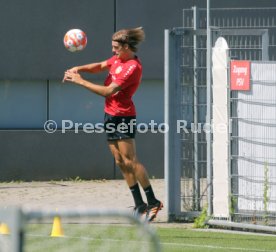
73, 70
72, 77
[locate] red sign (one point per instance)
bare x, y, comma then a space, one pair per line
240, 75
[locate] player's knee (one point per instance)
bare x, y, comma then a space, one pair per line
123, 163
119, 162
129, 164
118, 159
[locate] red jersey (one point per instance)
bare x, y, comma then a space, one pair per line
127, 75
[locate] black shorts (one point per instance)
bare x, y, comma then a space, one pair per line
119, 127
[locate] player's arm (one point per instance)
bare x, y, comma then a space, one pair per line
91, 68
95, 88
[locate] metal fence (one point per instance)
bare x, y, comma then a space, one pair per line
250, 34
253, 142
238, 18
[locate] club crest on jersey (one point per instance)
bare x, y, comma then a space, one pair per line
118, 69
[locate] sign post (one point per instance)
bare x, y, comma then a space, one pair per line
240, 75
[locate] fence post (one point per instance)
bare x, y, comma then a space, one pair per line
172, 144
208, 111
196, 194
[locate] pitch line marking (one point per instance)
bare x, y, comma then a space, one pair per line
215, 247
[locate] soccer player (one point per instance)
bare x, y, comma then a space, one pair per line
123, 79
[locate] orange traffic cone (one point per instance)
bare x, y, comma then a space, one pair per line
4, 229
57, 230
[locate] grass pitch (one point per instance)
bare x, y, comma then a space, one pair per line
126, 238
178, 239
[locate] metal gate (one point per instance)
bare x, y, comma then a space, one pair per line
186, 104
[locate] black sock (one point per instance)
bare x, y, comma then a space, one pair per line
135, 190
150, 195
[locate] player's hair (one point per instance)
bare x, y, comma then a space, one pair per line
132, 37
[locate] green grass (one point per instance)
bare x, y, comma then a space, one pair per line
88, 237
178, 239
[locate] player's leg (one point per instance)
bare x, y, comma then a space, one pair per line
127, 150
112, 122
127, 173
129, 176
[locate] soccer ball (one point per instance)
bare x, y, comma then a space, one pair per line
75, 40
